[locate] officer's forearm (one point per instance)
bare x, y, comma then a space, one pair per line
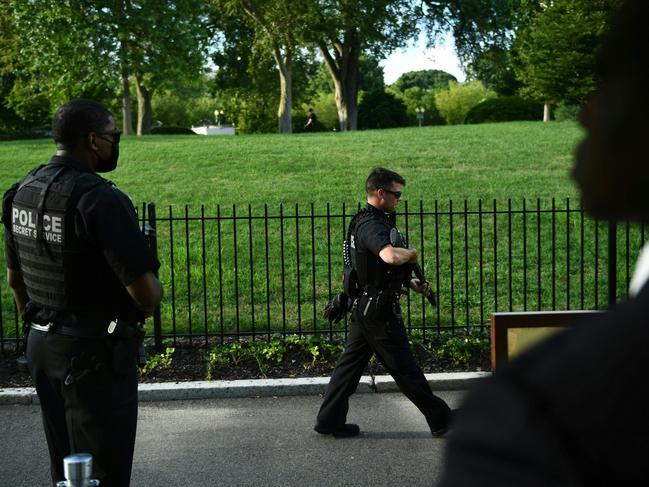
397, 255
146, 293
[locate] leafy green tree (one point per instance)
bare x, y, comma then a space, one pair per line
343, 30
495, 68
83, 48
62, 54
34, 116
275, 25
426, 79
370, 74
169, 39
190, 105
484, 32
454, 104
478, 25
557, 50
370, 77
415, 98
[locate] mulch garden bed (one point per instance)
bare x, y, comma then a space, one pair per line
189, 363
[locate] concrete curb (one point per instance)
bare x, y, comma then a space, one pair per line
167, 391
447, 381
170, 391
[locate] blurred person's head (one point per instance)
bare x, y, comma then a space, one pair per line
612, 162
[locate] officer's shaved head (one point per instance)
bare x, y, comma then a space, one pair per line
382, 178
76, 119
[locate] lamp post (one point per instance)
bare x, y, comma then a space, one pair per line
218, 114
420, 114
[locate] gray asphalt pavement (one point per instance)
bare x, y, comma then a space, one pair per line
265, 441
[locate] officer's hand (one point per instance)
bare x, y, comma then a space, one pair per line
419, 287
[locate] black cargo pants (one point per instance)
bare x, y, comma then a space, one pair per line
93, 411
377, 327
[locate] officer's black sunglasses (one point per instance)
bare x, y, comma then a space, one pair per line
115, 133
397, 194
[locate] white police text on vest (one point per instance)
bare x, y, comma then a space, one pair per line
25, 224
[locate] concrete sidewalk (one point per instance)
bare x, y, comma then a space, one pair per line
169, 391
265, 441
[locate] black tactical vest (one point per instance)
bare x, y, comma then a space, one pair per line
57, 271
370, 269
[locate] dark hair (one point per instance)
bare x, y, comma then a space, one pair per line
382, 178
77, 118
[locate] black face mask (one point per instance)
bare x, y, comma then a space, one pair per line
107, 165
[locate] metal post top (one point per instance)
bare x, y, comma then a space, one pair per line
78, 458
77, 467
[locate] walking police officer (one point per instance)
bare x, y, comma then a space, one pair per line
83, 278
377, 327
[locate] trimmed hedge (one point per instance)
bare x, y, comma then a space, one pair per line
171, 130
505, 109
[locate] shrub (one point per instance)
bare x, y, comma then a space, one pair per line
564, 112
505, 109
170, 129
379, 109
461, 349
414, 98
454, 104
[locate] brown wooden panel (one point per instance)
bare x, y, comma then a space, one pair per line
501, 323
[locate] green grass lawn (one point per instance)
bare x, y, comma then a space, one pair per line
251, 274
507, 160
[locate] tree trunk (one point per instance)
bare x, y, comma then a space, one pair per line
350, 93
344, 72
547, 111
143, 107
341, 105
284, 117
346, 95
127, 118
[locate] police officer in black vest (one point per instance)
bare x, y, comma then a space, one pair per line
83, 278
377, 326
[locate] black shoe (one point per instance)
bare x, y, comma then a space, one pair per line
345, 431
441, 431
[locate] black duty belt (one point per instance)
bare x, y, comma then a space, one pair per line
373, 290
73, 331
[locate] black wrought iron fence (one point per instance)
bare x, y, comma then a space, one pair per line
231, 272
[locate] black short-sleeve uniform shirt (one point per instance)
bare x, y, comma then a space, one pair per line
371, 235
106, 223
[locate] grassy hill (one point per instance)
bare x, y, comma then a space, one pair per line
507, 160
231, 271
